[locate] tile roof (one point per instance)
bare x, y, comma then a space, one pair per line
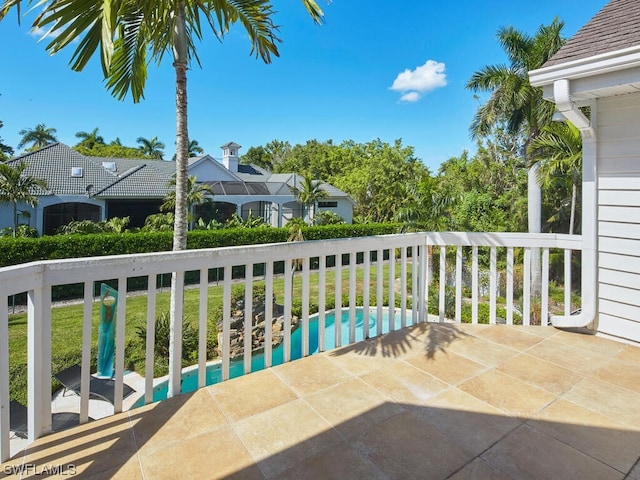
615, 27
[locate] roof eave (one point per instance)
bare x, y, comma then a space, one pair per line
587, 67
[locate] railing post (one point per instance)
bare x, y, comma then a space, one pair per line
5, 447
85, 371
366, 289
443, 281
526, 288
474, 284
150, 338
39, 361
544, 305
248, 317
175, 336
510, 286
493, 283
567, 282
458, 284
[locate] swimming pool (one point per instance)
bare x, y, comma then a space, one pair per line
236, 366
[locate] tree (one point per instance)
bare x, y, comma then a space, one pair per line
89, 139
309, 192
558, 152
516, 102
15, 187
6, 152
151, 148
38, 137
197, 194
126, 32
194, 149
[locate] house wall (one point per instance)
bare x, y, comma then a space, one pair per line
343, 208
618, 129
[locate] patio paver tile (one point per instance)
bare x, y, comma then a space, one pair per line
405, 383
563, 352
479, 469
161, 424
319, 373
607, 399
352, 407
341, 462
215, 454
508, 394
510, 337
251, 394
471, 423
281, 437
407, 447
538, 372
529, 453
596, 435
447, 366
622, 370
482, 351
359, 359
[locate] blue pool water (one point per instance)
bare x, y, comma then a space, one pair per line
236, 367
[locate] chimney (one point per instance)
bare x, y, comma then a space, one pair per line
230, 156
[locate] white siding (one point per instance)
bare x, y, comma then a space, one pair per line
619, 216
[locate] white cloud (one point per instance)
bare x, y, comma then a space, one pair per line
410, 97
415, 83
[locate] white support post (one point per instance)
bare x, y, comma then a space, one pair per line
175, 335
424, 283
403, 287
493, 284
443, 282
119, 356
352, 297
305, 306
458, 284
510, 286
337, 321
202, 327
391, 289
366, 289
149, 360
39, 362
248, 317
322, 299
415, 285
474, 285
544, 304
226, 322
379, 287
288, 298
268, 314
86, 351
5, 447
567, 282
526, 288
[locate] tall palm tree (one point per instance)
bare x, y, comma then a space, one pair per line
38, 137
15, 187
309, 192
125, 32
517, 104
558, 151
89, 139
197, 194
151, 148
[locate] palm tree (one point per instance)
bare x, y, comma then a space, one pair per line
194, 149
126, 32
151, 148
18, 188
517, 104
309, 192
558, 151
197, 194
6, 152
38, 137
89, 139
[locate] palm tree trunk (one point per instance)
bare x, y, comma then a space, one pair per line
15, 219
180, 216
534, 197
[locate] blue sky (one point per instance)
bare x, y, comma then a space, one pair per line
330, 82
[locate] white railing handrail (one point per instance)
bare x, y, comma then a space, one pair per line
20, 278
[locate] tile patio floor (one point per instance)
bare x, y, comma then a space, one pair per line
431, 401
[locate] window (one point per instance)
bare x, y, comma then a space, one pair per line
327, 204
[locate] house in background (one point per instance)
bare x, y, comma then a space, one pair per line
94, 188
599, 68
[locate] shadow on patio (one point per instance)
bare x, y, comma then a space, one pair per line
430, 401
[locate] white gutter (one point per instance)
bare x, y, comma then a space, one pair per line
587, 316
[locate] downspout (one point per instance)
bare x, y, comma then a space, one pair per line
587, 315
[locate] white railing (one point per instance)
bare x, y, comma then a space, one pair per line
394, 270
